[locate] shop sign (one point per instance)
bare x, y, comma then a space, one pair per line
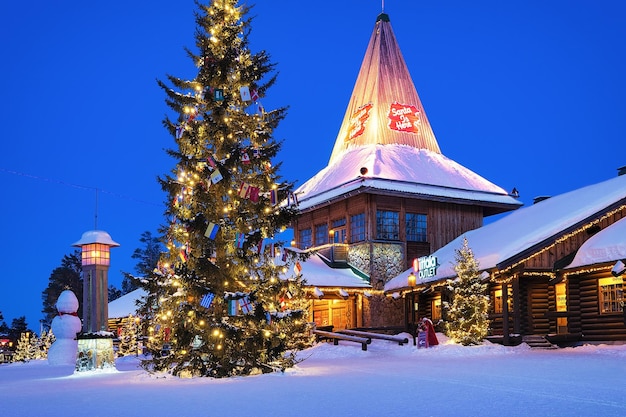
427, 266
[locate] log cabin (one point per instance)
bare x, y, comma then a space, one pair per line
551, 270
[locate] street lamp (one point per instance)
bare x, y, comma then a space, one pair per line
95, 344
412, 280
95, 255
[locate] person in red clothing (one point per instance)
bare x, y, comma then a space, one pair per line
427, 324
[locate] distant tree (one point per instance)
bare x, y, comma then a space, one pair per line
4, 329
148, 258
114, 293
68, 276
18, 326
468, 314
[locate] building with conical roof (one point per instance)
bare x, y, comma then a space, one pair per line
388, 195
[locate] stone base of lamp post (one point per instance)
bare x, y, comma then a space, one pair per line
95, 351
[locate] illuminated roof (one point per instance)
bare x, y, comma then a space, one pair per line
96, 236
385, 131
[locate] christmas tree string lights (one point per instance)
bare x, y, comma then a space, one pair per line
215, 297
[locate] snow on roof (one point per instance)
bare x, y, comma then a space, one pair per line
608, 245
317, 273
400, 168
126, 304
96, 236
520, 230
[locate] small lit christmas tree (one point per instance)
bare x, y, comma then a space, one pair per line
467, 320
129, 337
23, 350
217, 303
44, 342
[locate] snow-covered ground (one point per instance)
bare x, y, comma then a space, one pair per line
385, 380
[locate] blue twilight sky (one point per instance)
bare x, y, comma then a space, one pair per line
528, 94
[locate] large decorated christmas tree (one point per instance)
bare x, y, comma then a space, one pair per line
227, 297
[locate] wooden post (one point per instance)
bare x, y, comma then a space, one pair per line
505, 313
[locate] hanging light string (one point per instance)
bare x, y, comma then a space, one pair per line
84, 187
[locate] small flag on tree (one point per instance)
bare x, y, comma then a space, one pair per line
246, 305
253, 195
216, 176
260, 247
232, 307
255, 95
273, 197
218, 94
244, 190
179, 131
211, 161
297, 268
245, 158
211, 230
240, 239
207, 300
245, 93
183, 254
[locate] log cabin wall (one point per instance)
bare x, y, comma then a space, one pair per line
445, 221
585, 315
382, 260
536, 320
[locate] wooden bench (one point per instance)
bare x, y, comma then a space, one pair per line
399, 339
335, 337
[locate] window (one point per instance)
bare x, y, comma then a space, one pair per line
436, 309
497, 301
387, 225
560, 290
305, 238
321, 234
611, 294
357, 228
339, 230
416, 227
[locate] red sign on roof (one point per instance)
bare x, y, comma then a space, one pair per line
357, 121
404, 118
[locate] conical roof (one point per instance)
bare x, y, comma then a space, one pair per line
384, 107
386, 145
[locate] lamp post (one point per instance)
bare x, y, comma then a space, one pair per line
95, 344
95, 254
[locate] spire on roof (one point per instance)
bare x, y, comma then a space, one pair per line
384, 107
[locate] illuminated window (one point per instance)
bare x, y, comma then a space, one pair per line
305, 238
416, 227
321, 234
497, 301
611, 294
357, 228
95, 254
436, 309
561, 305
339, 230
387, 225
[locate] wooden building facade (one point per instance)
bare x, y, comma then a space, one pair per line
557, 288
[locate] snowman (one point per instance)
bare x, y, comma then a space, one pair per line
64, 327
